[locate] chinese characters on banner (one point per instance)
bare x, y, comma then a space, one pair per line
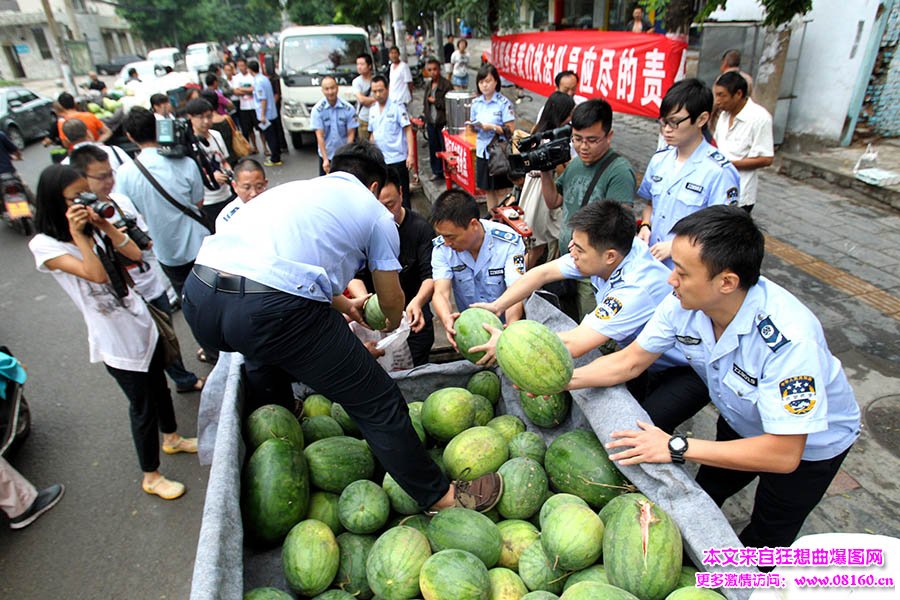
631, 71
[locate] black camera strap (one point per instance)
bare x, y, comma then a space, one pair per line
200, 218
601, 168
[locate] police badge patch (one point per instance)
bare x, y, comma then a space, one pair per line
732, 195
798, 394
438, 241
519, 263
608, 308
773, 338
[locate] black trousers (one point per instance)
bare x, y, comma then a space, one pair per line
287, 338
435, 145
270, 133
403, 172
212, 212
178, 275
150, 408
420, 343
247, 120
671, 396
782, 502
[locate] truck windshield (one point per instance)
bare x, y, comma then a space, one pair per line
322, 54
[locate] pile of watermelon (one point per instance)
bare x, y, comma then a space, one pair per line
348, 533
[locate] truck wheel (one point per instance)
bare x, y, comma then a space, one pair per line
297, 139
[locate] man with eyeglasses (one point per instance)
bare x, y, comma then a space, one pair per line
598, 173
688, 174
249, 182
200, 112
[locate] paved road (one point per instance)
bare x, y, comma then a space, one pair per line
107, 538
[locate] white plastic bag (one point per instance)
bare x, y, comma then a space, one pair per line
397, 356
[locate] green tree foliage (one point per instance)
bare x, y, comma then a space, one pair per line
679, 14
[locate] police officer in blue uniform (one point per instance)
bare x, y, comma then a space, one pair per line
393, 134
474, 258
267, 286
334, 121
787, 413
687, 175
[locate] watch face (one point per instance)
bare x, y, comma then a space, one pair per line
677, 444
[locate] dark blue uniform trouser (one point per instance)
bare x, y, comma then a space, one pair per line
782, 502
303, 340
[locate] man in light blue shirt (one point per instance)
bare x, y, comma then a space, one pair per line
334, 120
266, 113
473, 258
787, 412
176, 236
689, 174
393, 134
267, 286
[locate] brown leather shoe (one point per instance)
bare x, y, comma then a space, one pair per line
481, 494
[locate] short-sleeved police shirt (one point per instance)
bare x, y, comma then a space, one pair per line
627, 300
770, 371
706, 179
335, 122
386, 125
496, 111
501, 261
307, 238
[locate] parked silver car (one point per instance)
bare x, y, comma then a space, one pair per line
25, 115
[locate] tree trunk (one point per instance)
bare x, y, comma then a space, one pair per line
771, 67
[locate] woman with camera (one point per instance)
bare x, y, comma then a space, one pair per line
491, 115
77, 245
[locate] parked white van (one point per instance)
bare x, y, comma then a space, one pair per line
200, 57
168, 57
306, 54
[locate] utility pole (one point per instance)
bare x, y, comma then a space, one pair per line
399, 28
62, 52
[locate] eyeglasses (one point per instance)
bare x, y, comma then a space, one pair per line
102, 177
590, 141
672, 123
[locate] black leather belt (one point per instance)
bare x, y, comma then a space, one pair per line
232, 284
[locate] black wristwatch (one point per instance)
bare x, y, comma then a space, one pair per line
678, 445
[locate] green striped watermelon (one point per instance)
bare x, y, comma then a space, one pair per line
401, 502
524, 487
316, 405
694, 593
515, 536
545, 411
363, 507
347, 424
507, 425
267, 593
470, 331
593, 573
534, 358
395, 562
529, 445
336, 462
642, 553
540, 595
373, 314
577, 463
484, 410
275, 491
538, 572
555, 501
485, 383
273, 421
467, 530
572, 537
320, 427
688, 577
323, 506
506, 585
335, 595
351, 574
475, 452
612, 507
417, 522
415, 415
448, 412
310, 557
454, 575
593, 590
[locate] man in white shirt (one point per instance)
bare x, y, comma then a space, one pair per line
242, 85
217, 168
362, 87
743, 133
401, 78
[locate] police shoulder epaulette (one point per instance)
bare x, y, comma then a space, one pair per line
719, 158
770, 334
438, 241
506, 236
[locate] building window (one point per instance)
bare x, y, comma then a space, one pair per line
79, 5
41, 40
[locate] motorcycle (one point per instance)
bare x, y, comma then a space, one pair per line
15, 415
18, 211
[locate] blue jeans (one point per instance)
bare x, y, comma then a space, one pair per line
184, 379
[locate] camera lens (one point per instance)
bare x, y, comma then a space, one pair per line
104, 209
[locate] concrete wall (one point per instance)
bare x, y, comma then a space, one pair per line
837, 35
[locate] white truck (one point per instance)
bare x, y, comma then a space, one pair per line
305, 56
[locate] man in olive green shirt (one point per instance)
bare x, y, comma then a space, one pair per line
591, 136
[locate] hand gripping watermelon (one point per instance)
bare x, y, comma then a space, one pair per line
373, 315
534, 358
470, 331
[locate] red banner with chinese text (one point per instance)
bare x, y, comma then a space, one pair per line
631, 71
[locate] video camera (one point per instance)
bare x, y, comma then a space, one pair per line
176, 139
538, 154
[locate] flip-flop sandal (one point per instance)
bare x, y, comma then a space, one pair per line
197, 387
188, 445
164, 488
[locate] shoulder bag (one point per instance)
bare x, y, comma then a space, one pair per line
239, 143
200, 218
498, 158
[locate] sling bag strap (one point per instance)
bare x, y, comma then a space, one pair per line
184, 209
601, 168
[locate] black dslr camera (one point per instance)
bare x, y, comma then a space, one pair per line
104, 209
536, 153
137, 235
175, 137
